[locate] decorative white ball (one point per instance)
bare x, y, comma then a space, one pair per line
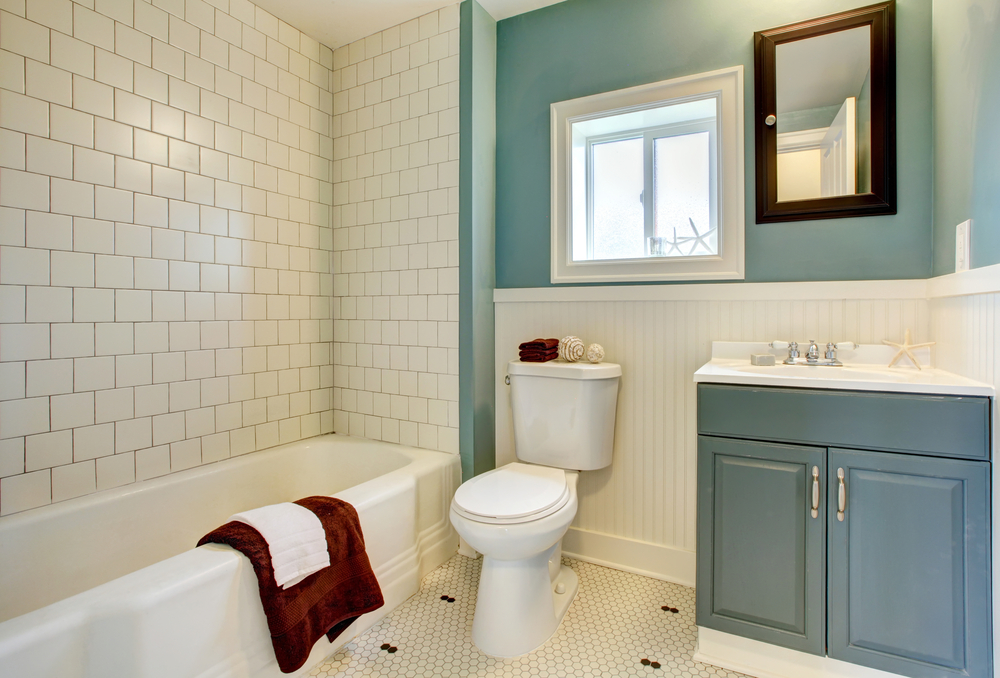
595, 353
571, 349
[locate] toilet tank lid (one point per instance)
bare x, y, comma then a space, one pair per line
560, 369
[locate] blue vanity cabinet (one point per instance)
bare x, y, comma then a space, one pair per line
908, 566
894, 572
761, 556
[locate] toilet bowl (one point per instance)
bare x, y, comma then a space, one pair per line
516, 517
564, 420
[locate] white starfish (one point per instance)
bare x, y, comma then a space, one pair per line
907, 348
699, 238
675, 244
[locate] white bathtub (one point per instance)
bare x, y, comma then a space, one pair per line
109, 586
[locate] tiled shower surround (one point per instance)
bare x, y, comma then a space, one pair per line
395, 234
165, 196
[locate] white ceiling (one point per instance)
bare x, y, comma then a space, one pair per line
821, 71
339, 22
501, 9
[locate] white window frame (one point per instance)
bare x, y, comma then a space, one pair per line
726, 86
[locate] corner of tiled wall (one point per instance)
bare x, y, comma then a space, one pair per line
165, 236
395, 233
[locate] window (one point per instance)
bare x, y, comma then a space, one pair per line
648, 182
671, 162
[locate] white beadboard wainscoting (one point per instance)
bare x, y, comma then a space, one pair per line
639, 514
967, 329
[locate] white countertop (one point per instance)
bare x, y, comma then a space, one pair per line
864, 370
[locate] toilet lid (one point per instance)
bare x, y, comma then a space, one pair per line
512, 492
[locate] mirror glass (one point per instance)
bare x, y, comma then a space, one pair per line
824, 111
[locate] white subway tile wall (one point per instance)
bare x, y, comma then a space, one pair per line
165, 231
395, 234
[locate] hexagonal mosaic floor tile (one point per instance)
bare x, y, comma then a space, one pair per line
616, 622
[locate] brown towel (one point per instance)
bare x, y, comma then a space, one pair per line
327, 601
538, 356
539, 345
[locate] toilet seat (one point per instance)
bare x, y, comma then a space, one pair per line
515, 493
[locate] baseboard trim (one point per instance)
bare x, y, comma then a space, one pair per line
650, 560
763, 660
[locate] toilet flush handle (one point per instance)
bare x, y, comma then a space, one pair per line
506, 380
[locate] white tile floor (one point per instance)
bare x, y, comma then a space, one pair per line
615, 622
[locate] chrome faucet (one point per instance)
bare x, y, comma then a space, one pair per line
812, 355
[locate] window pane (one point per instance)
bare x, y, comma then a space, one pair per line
618, 214
681, 167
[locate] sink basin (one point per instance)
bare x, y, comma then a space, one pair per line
864, 370
845, 373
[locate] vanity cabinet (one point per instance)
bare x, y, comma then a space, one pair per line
876, 554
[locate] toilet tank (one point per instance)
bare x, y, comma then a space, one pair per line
564, 413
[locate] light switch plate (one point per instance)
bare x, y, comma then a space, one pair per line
963, 245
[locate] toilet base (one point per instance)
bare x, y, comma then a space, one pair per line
561, 601
518, 608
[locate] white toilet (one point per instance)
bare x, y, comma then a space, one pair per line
516, 515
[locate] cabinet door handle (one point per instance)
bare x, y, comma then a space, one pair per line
815, 497
841, 495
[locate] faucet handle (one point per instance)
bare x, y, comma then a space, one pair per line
792, 348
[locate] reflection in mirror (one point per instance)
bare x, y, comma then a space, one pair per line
824, 115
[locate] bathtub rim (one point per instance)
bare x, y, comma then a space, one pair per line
53, 510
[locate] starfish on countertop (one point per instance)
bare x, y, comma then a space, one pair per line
906, 348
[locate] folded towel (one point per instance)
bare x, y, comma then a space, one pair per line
538, 356
539, 345
295, 540
325, 602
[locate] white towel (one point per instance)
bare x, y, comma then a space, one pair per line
295, 538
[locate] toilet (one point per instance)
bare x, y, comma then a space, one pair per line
516, 515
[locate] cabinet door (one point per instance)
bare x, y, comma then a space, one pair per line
909, 564
761, 565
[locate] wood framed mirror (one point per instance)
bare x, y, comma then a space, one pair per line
825, 116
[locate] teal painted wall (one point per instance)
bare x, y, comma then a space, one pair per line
581, 47
966, 129
477, 254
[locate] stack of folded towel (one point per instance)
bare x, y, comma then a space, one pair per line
539, 350
295, 540
312, 571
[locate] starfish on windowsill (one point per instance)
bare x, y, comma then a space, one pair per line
906, 348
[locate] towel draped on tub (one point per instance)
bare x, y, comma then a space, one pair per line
326, 602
